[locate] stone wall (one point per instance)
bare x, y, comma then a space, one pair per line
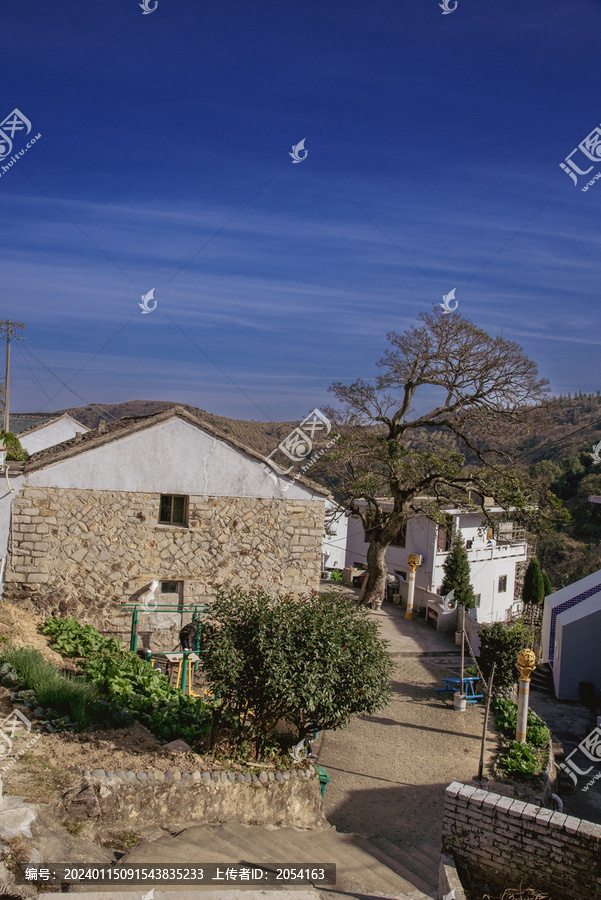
509, 842
127, 801
84, 552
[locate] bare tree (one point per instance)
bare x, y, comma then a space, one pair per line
393, 462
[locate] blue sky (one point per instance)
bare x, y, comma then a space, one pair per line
434, 143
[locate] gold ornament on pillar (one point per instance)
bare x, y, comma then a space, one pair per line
413, 561
526, 664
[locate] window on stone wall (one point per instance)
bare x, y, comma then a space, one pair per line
477, 598
173, 509
502, 584
172, 592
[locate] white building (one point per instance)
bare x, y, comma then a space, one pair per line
335, 537
571, 636
493, 560
48, 432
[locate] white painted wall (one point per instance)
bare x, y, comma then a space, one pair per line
419, 540
6, 499
484, 577
54, 432
563, 595
173, 457
487, 564
334, 548
578, 631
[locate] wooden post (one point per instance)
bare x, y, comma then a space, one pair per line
483, 745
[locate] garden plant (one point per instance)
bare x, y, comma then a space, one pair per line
311, 661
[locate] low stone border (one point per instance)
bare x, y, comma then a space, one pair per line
156, 776
127, 801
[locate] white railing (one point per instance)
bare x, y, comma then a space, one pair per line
500, 551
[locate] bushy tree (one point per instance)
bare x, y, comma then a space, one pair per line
547, 585
314, 660
457, 573
500, 643
567, 560
533, 591
13, 446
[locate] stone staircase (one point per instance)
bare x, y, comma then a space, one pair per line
542, 679
366, 867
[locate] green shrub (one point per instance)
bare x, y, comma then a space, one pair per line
336, 576
67, 697
13, 446
501, 644
314, 661
533, 591
506, 714
457, 573
131, 687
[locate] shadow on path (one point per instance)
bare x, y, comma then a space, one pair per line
411, 813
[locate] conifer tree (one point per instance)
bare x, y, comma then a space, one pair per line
534, 587
547, 585
457, 574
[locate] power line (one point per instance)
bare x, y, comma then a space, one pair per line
104, 413
34, 376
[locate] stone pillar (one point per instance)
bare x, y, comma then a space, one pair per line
525, 665
413, 562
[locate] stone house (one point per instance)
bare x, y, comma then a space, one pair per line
168, 497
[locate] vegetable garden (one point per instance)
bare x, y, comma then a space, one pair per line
279, 667
522, 761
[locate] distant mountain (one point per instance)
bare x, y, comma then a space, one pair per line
559, 429
260, 436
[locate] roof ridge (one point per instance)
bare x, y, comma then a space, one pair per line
113, 431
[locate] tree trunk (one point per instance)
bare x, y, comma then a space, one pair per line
375, 582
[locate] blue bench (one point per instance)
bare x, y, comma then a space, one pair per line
452, 685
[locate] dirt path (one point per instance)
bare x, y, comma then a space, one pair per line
389, 771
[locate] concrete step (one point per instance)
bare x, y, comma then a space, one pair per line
411, 858
427, 849
141, 890
358, 867
404, 873
361, 867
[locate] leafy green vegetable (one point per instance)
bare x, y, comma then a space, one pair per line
133, 689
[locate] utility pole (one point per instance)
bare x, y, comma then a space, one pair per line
6, 330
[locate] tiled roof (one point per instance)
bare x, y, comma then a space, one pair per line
114, 431
20, 422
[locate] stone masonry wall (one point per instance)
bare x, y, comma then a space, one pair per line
509, 842
84, 552
129, 800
